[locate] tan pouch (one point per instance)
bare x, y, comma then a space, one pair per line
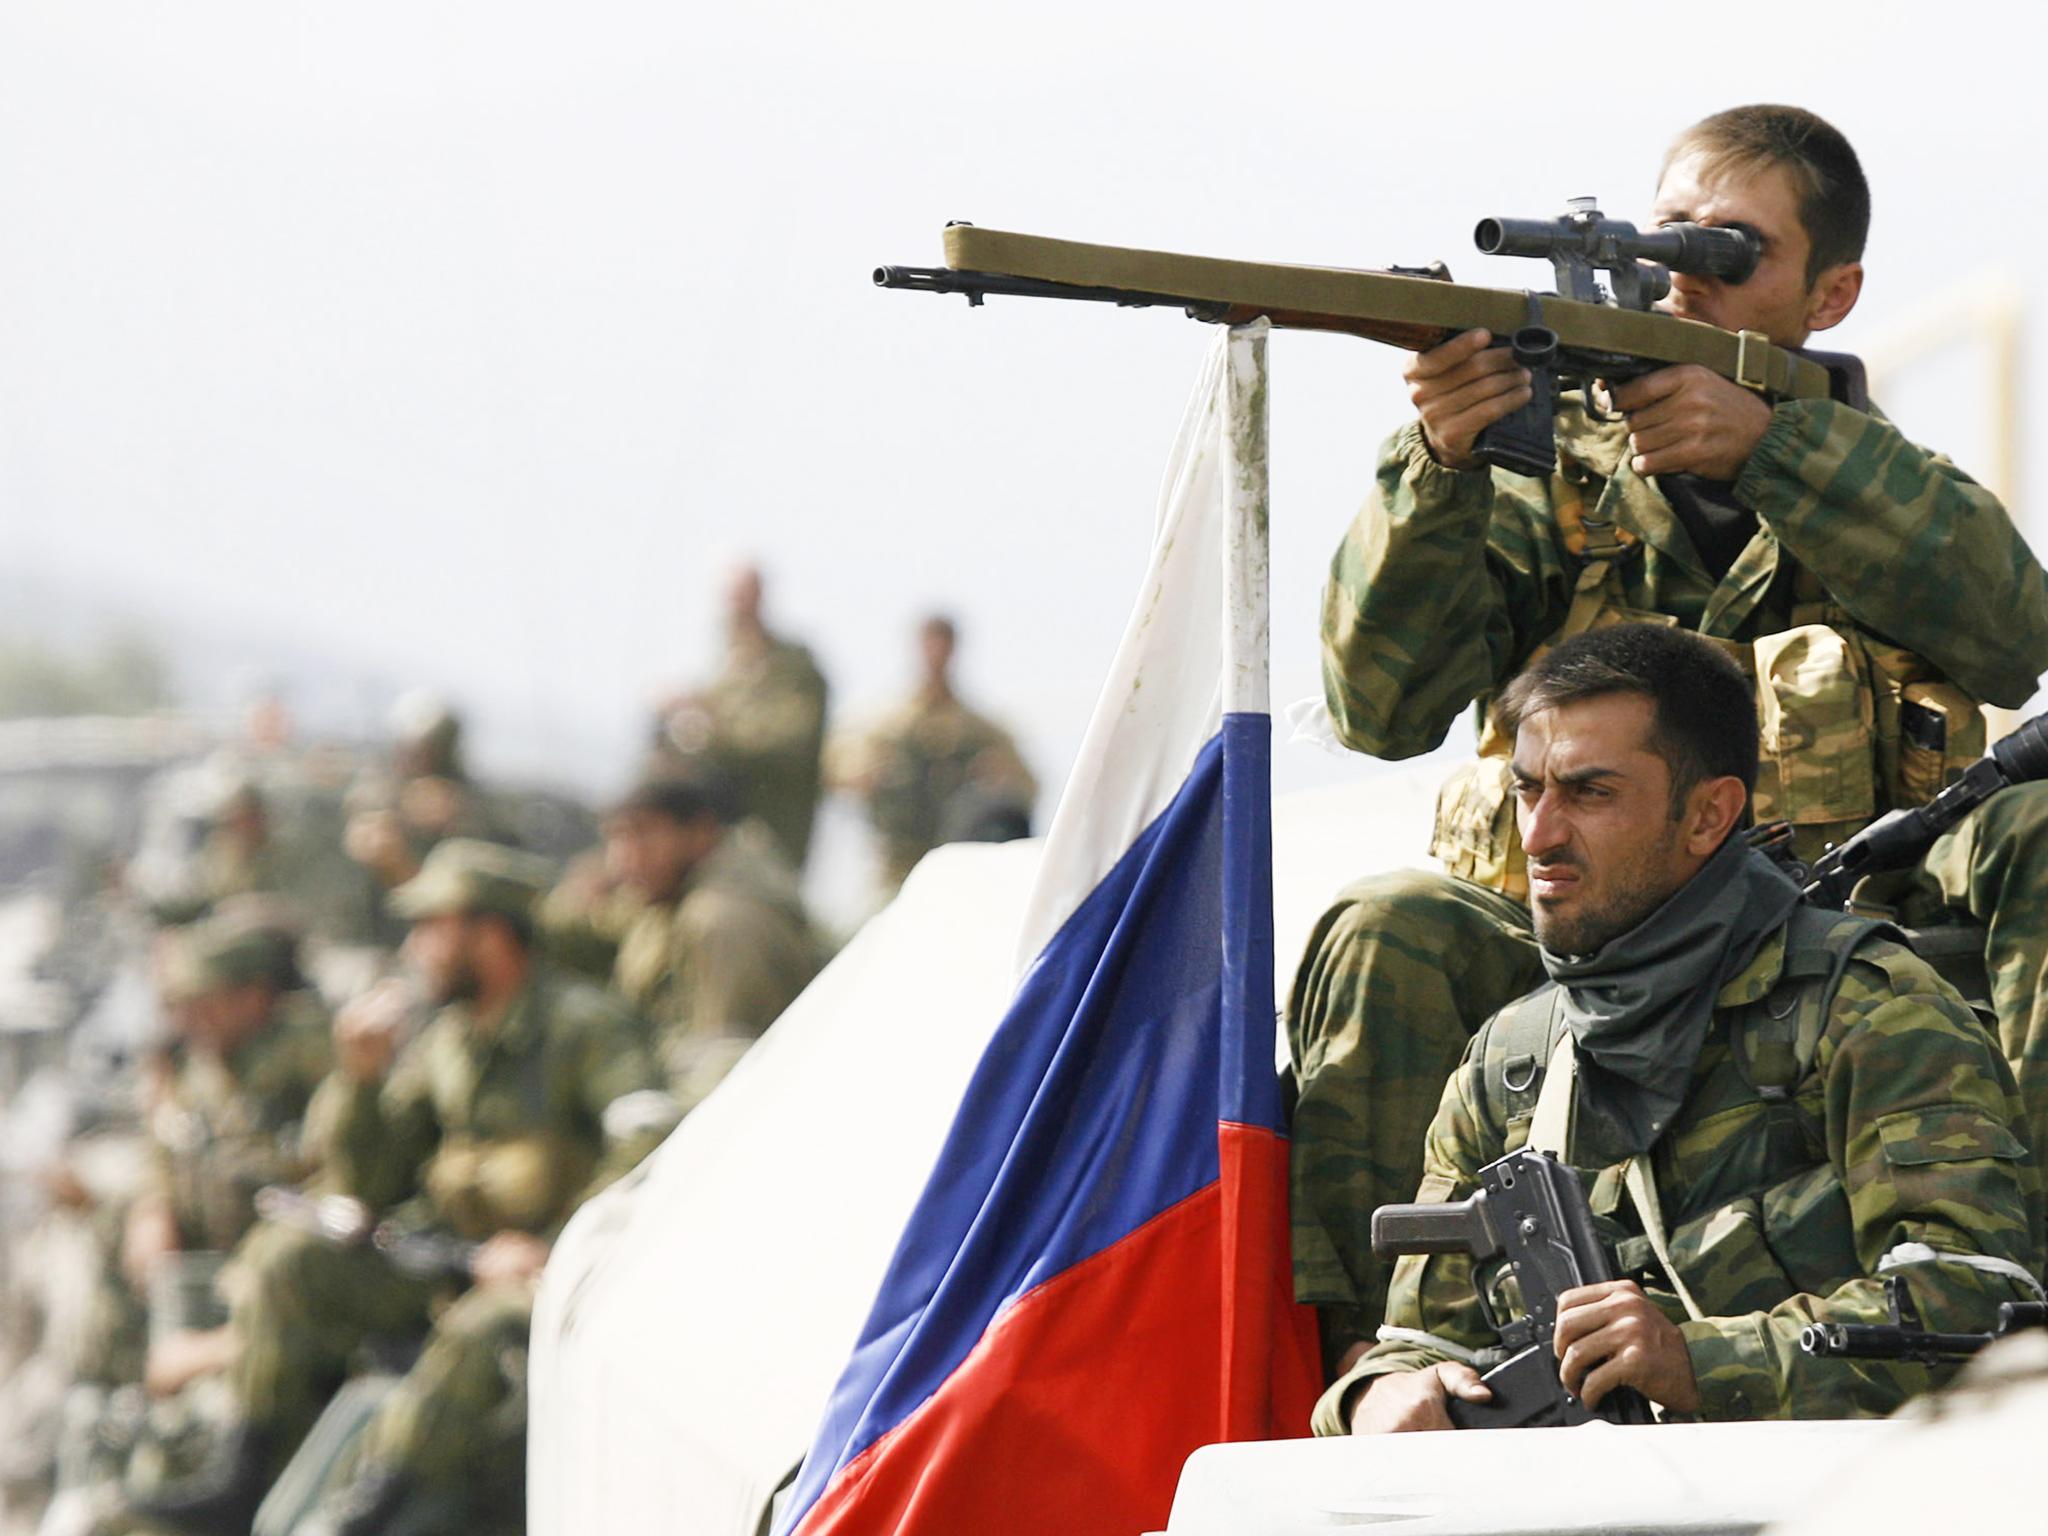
1815, 710
1475, 836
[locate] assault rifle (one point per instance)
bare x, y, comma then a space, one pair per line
1530, 1210
345, 1222
1580, 333
1898, 838
1903, 1338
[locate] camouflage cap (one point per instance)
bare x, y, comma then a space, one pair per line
467, 874
223, 952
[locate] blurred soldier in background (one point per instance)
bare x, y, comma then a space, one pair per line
397, 816
933, 771
239, 856
722, 943
524, 1094
223, 1105
586, 915
760, 725
224, 1119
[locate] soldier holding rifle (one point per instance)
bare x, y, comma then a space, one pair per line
1775, 1107
1872, 593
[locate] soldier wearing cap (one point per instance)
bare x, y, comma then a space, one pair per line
251, 1046
722, 943
760, 724
396, 816
522, 1095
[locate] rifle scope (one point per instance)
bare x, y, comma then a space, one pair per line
1729, 254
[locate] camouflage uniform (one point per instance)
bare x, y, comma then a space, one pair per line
226, 1127
475, 1134
1782, 1189
219, 1128
586, 916
917, 767
761, 726
711, 970
1447, 584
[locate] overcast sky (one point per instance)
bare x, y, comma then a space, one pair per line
464, 343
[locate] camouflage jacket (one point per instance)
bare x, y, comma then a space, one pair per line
915, 763
486, 1133
713, 969
1923, 591
1781, 1198
226, 1126
761, 723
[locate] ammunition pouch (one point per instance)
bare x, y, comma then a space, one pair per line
1850, 726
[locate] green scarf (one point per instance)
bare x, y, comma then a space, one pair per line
1638, 1007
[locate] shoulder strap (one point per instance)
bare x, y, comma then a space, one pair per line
1775, 1049
1518, 1047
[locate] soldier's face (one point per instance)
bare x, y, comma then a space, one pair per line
1593, 802
1776, 298
651, 854
440, 949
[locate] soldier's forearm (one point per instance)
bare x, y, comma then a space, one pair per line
1914, 549
1408, 610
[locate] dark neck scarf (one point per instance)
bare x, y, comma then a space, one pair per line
1638, 1007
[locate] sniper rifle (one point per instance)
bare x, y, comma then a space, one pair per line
1569, 338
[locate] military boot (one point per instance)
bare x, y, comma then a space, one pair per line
221, 1498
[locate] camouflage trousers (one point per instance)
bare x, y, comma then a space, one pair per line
1403, 969
457, 1422
1993, 869
1398, 975
302, 1309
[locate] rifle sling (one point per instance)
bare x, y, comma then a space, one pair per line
1550, 1131
1294, 294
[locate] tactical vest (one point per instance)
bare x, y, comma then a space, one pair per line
1764, 1214
1850, 724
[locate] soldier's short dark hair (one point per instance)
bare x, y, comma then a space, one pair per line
1706, 712
1834, 199
683, 796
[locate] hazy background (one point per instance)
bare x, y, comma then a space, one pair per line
345, 348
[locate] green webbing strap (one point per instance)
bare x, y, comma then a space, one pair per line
1272, 289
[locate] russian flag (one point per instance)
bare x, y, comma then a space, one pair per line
1096, 1281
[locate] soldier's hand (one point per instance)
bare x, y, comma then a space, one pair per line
509, 1257
1413, 1400
1689, 420
367, 1031
1610, 1335
1460, 389
149, 1235
183, 1356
